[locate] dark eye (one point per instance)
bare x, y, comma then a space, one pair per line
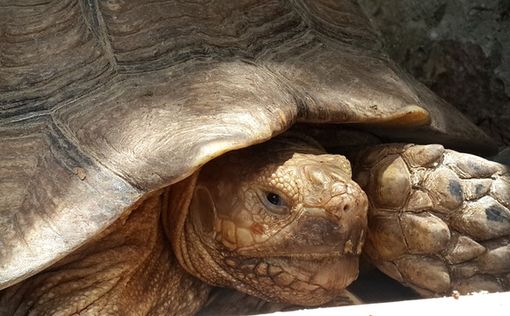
274, 198
275, 203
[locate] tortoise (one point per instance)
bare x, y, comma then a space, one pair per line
152, 150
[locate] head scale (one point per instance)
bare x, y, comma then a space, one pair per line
282, 220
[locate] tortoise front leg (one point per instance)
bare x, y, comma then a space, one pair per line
438, 219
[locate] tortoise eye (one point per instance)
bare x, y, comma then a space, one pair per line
274, 202
274, 198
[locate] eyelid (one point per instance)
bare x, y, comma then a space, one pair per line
282, 209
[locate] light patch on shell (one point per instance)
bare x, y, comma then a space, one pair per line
80, 172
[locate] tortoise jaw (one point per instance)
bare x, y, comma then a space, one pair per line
350, 248
293, 280
330, 278
330, 274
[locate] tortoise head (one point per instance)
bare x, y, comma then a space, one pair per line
282, 221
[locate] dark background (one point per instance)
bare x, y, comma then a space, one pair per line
458, 48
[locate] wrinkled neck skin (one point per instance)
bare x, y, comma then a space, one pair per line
282, 221
129, 270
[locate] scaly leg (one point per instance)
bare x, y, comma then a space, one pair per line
439, 220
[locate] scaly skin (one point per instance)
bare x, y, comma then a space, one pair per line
439, 220
304, 250
283, 221
128, 270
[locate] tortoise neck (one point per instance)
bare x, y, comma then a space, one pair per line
129, 269
186, 243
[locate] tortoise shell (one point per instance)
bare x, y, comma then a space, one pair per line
105, 101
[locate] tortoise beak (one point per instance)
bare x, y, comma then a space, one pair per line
318, 232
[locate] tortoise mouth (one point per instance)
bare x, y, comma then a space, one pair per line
331, 273
300, 275
332, 244
303, 256
296, 280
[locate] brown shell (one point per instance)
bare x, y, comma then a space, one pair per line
104, 101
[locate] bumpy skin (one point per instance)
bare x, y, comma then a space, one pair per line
439, 220
302, 249
103, 102
129, 269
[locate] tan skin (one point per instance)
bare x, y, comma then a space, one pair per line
282, 221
